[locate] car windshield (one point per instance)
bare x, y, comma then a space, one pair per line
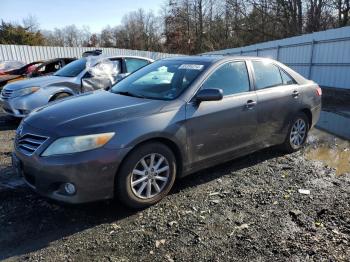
72, 69
164, 80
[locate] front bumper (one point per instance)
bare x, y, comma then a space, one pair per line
92, 173
21, 106
14, 107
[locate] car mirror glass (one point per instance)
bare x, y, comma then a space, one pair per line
212, 94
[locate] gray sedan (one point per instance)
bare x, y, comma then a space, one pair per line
167, 120
87, 74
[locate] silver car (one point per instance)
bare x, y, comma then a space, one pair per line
86, 74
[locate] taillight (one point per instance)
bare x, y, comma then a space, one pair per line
319, 91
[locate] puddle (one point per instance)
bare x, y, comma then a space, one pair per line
331, 150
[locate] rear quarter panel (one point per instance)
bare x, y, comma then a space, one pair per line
311, 100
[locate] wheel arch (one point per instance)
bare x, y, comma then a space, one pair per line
308, 113
60, 91
173, 146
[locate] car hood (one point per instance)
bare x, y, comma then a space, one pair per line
91, 112
37, 81
5, 78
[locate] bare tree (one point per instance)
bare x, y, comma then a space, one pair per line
31, 23
107, 37
195, 26
343, 9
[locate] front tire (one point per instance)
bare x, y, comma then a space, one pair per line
60, 96
297, 133
146, 176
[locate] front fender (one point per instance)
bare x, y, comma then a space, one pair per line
167, 126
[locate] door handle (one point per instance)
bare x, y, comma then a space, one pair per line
295, 93
250, 104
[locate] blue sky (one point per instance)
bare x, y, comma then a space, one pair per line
59, 13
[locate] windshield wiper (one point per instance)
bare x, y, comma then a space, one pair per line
127, 93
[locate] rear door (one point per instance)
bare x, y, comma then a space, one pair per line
278, 99
216, 128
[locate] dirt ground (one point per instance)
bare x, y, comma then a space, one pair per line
249, 209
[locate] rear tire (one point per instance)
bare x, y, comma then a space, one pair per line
146, 175
297, 133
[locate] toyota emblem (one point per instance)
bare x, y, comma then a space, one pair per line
19, 130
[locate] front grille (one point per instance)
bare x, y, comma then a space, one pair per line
6, 93
29, 143
7, 110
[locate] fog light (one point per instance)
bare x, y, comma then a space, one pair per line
69, 188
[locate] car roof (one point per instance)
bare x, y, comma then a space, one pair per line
213, 58
207, 58
97, 59
57, 59
120, 56
46, 61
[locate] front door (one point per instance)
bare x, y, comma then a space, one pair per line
216, 128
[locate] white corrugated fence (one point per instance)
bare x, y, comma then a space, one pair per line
323, 56
29, 54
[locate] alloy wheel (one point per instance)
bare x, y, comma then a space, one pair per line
150, 176
298, 133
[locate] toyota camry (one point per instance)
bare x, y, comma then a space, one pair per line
167, 120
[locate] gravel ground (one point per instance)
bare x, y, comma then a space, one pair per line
249, 209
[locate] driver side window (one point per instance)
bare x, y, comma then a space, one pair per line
231, 77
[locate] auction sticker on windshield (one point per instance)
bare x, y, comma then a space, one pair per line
191, 66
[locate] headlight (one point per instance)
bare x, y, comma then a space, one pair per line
25, 91
74, 144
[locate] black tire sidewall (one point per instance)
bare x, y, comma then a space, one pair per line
123, 186
60, 96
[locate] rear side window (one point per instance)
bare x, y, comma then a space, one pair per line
287, 80
266, 75
132, 64
232, 78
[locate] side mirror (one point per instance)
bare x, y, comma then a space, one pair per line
213, 94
